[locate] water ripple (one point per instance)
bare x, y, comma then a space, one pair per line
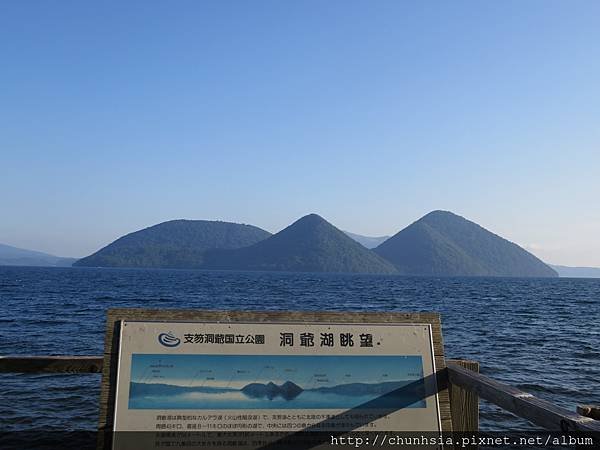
539, 335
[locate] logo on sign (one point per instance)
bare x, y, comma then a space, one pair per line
168, 339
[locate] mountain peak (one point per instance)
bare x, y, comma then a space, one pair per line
440, 214
442, 243
179, 243
311, 244
312, 216
310, 219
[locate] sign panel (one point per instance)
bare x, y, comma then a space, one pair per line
275, 377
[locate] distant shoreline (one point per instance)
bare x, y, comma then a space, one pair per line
283, 272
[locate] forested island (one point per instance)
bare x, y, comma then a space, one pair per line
439, 244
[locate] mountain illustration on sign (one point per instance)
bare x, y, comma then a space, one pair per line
287, 390
278, 382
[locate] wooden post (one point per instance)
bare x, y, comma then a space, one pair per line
591, 411
464, 404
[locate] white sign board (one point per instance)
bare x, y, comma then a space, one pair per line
275, 377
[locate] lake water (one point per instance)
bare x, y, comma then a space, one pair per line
540, 335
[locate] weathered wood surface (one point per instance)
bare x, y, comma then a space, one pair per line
114, 316
522, 404
591, 411
464, 403
51, 364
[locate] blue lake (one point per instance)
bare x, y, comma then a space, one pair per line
540, 335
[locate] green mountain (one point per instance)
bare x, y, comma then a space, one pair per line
310, 244
174, 244
444, 244
13, 256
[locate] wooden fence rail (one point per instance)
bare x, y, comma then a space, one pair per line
51, 364
538, 411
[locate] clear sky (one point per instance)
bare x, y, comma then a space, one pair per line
118, 115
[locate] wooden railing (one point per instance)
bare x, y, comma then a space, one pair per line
51, 364
540, 412
465, 383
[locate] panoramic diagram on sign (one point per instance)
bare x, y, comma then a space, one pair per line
275, 382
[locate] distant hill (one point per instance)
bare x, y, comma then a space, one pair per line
439, 244
444, 244
369, 242
577, 272
174, 244
13, 256
310, 244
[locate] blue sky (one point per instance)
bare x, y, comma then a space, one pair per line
119, 115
